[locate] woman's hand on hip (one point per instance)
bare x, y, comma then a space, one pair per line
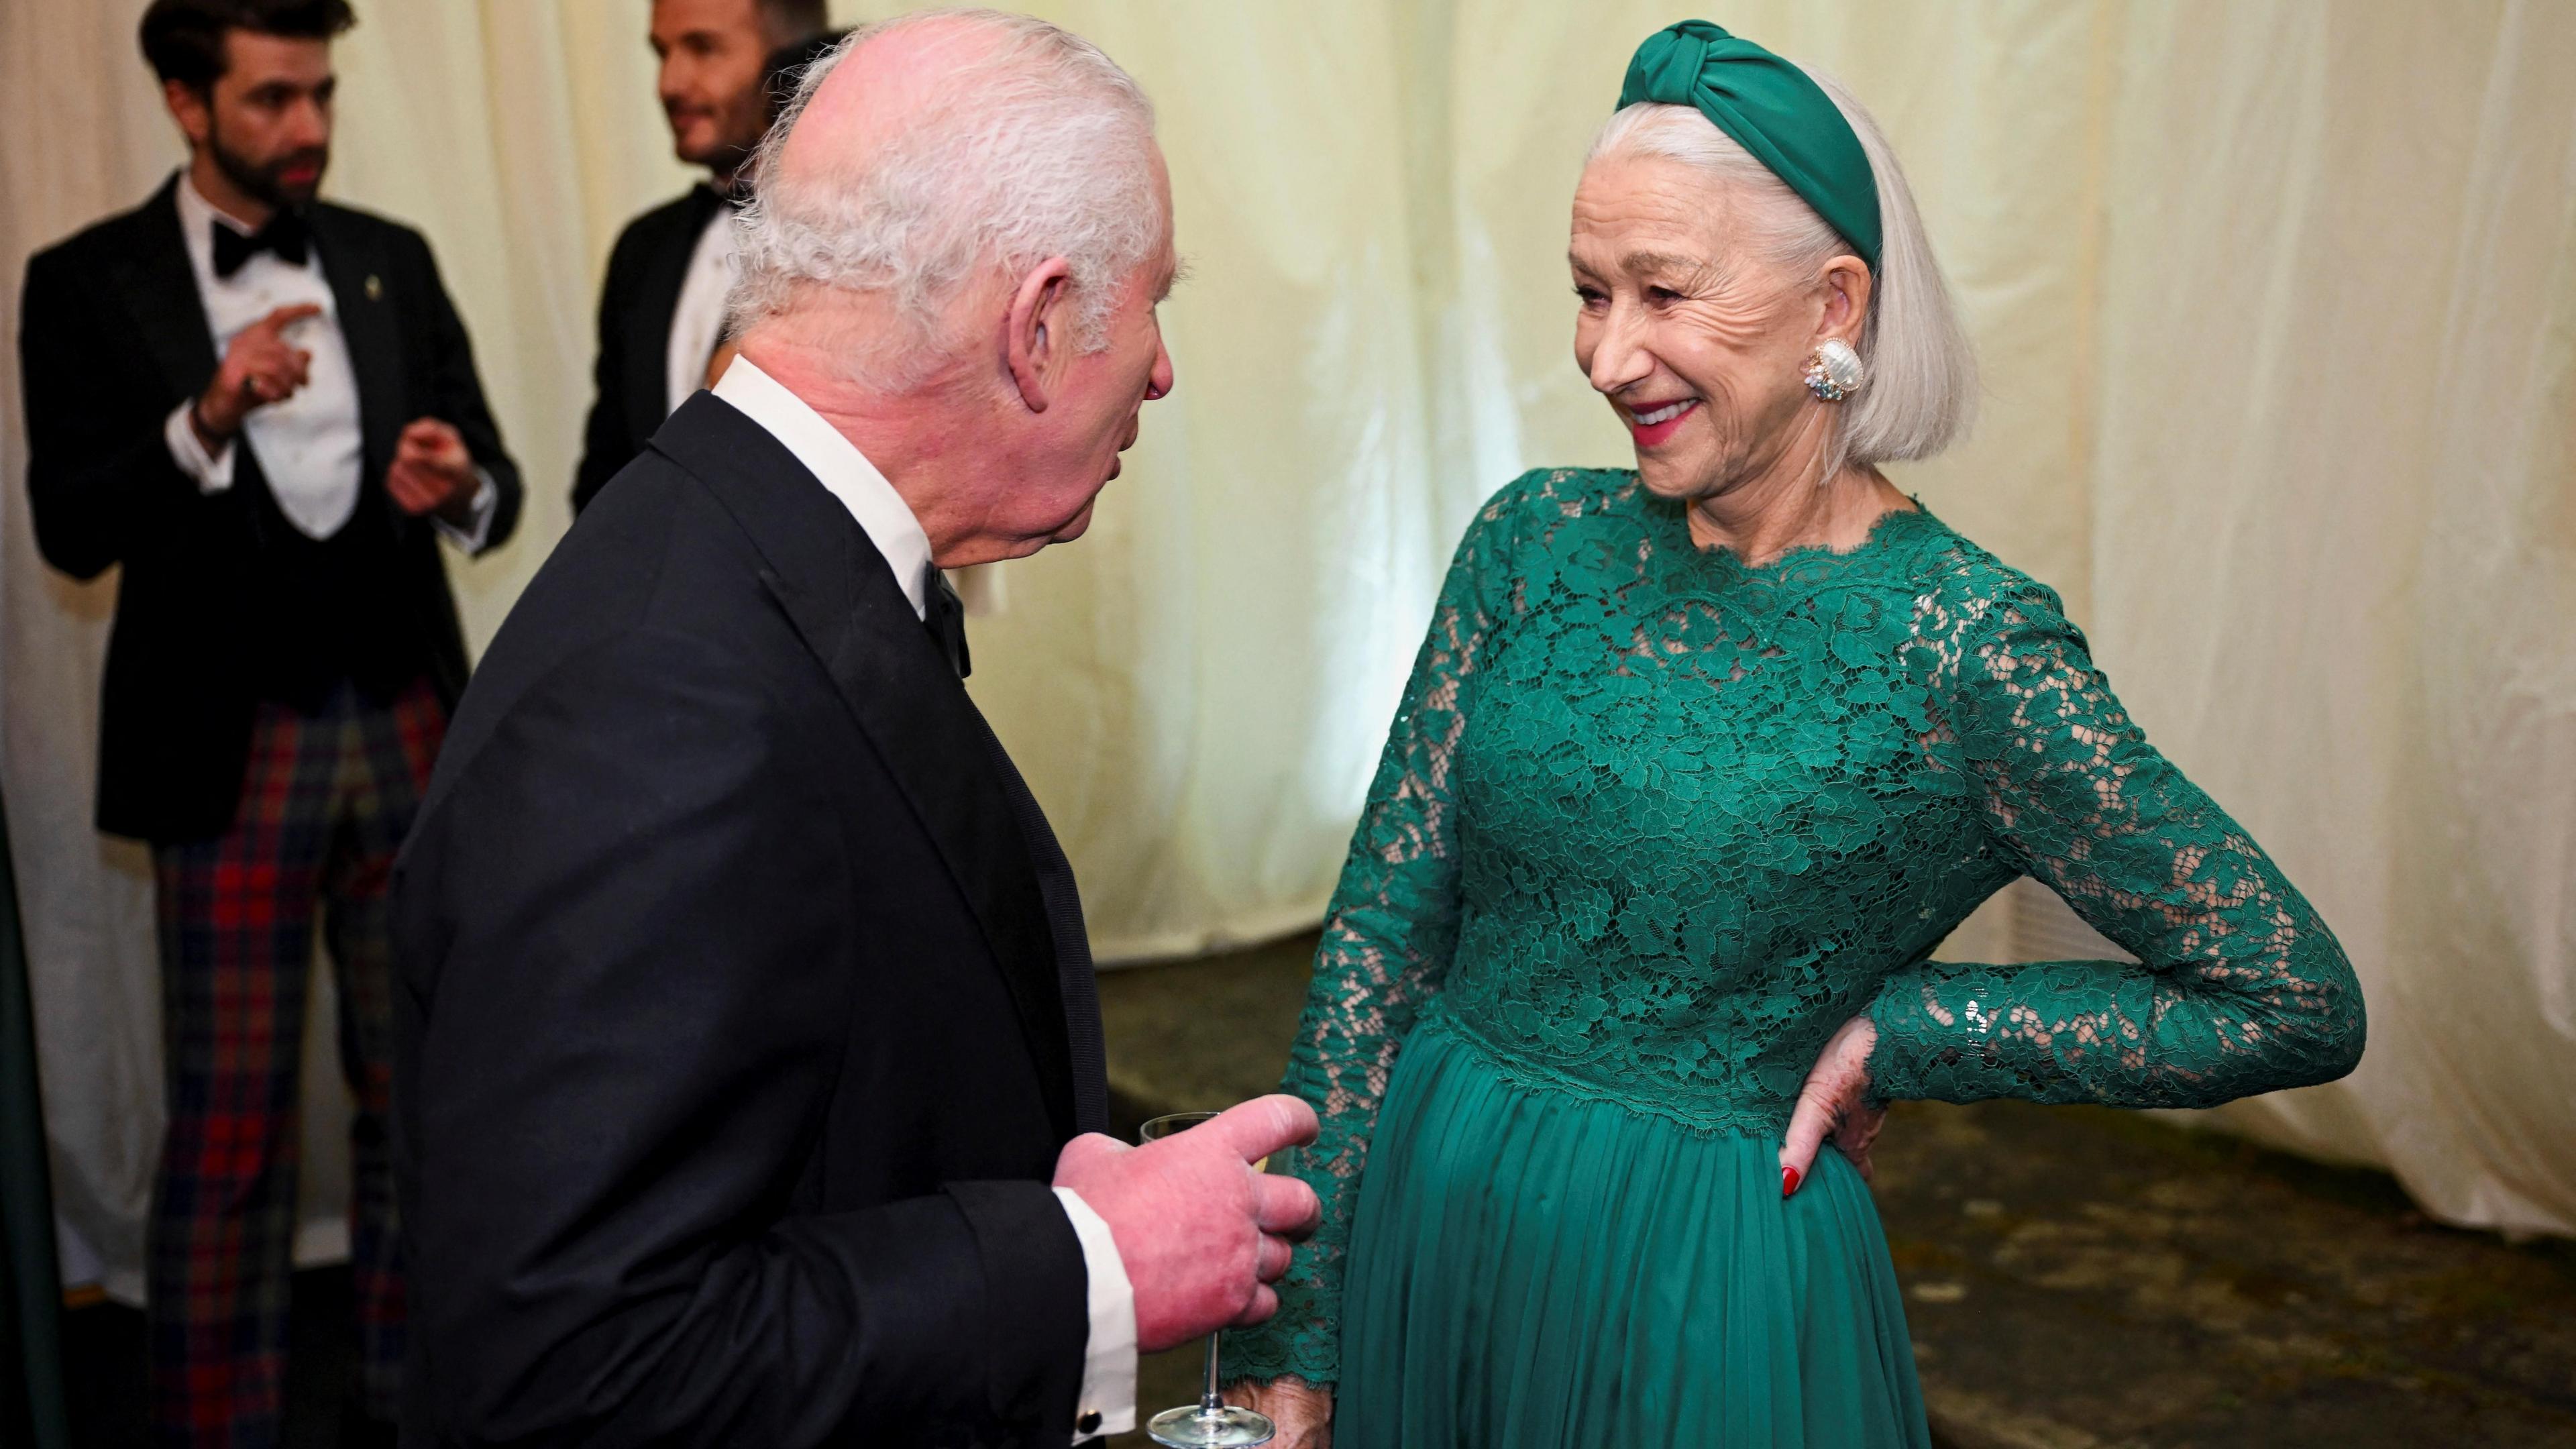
1303, 1412
1834, 1103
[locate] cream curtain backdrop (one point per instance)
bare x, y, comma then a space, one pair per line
2276, 303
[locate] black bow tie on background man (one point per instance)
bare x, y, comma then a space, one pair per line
285, 234
944, 615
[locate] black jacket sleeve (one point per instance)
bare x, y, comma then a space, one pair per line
630, 967
605, 444
457, 397
100, 480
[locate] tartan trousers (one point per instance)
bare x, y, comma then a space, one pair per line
326, 799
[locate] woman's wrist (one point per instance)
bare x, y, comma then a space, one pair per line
1292, 1382
1882, 1062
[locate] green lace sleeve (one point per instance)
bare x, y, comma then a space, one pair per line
2242, 988
1386, 944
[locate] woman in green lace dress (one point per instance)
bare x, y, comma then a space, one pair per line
1698, 764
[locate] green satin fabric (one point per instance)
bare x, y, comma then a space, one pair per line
1533, 1269
1772, 109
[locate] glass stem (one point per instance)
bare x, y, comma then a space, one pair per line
1209, 1402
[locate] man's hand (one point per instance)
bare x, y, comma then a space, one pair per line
432, 472
1834, 1102
1202, 1234
260, 367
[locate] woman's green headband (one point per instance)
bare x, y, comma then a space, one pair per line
1772, 109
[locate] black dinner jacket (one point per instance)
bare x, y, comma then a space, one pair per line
112, 336
731, 1058
636, 303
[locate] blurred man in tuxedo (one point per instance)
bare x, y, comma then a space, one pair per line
786, 66
661, 309
265, 409
749, 1071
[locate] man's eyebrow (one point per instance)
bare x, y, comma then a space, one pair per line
1177, 274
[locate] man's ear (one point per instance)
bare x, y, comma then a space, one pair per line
191, 107
1036, 336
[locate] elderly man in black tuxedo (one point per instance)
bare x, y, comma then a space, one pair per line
749, 1061
661, 308
264, 408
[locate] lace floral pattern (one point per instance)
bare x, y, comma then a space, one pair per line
1651, 824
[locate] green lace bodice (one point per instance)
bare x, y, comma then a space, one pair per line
1651, 824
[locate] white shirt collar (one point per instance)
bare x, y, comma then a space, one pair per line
845, 471
197, 211
197, 218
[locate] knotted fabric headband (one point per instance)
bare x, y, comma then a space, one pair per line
1772, 109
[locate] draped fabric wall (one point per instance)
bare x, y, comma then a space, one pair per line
2277, 305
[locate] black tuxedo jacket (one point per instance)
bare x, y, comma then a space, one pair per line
732, 1051
645, 271
112, 337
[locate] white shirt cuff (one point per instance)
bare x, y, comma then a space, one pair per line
477, 527
1109, 1360
213, 472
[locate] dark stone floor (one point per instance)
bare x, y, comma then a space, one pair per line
2076, 1278
103, 1361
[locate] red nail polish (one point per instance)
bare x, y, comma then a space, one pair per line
1789, 1180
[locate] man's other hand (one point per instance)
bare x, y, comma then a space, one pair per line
1203, 1235
432, 472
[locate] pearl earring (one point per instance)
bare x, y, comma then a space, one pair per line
1834, 371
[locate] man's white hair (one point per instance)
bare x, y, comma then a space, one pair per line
1040, 146
1921, 392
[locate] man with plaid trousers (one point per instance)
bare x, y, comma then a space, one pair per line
265, 410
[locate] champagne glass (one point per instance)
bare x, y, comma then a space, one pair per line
1211, 1421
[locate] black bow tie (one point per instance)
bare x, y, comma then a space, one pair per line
285, 234
944, 615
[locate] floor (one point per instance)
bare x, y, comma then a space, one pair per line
2077, 1278
103, 1356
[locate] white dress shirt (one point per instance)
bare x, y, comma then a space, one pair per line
1109, 1357
697, 322
310, 445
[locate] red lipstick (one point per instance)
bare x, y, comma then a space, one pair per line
1655, 434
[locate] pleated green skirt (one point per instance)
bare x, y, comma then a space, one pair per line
1532, 1269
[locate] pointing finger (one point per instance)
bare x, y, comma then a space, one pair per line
285, 317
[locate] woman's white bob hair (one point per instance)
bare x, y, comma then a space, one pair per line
1921, 392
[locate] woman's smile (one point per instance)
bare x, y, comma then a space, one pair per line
1654, 425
